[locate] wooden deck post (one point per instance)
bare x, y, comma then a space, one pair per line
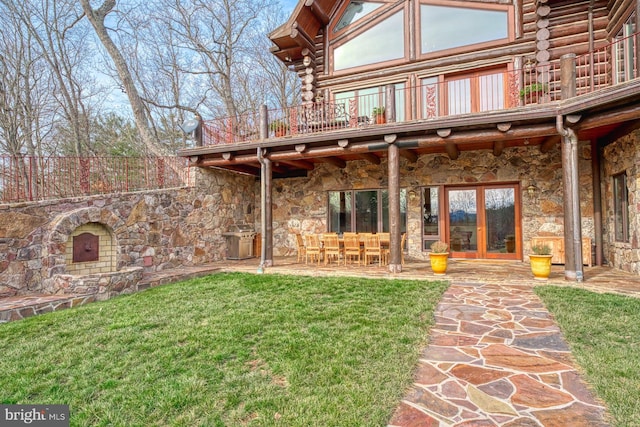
264, 123
390, 103
573, 269
266, 215
395, 257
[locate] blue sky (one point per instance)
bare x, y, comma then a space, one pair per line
289, 5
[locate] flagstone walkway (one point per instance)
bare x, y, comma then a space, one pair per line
496, 358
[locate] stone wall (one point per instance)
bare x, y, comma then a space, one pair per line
622, 156
154, 230
300, 204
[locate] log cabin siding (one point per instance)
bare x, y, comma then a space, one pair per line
619, 11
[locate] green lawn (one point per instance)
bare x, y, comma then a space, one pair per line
603, 331
226, 350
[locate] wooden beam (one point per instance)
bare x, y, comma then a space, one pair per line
318, 11
443, 133
391, 138
245, 169
299, 164
301, 37
452, 150
503, 127
335, 161
549, 143
623, 130
410, 155
498, 148
370, 157
610, 117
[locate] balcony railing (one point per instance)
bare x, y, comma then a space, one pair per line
29, 178
606, 66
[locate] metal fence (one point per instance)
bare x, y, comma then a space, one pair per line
31, 178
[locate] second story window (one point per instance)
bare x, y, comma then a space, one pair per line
449, 27
460, 94
383, 42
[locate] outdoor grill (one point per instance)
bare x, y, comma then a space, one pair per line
240, 241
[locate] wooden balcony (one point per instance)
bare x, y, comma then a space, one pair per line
595, 93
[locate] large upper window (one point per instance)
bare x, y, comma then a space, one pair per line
621, 208
383, 42
354, 11
445, 27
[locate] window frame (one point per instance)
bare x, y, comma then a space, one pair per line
620, 208
357, 28
467, 48
352, 220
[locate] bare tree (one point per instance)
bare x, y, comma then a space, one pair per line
97, 19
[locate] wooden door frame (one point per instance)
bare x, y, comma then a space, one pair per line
481, 241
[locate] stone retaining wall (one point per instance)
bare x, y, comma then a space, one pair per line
153, 230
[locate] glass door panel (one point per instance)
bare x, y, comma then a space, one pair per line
500, 221
463, 220
366, 211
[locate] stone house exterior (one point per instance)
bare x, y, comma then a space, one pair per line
507, 122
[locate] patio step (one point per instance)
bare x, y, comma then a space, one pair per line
21, 307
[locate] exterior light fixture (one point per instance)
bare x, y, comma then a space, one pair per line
531, 189
412, 195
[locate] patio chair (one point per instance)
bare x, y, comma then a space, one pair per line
302, 250
351, 247
314, 249
372, 249
331, 248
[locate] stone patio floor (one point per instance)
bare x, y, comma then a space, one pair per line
495, 355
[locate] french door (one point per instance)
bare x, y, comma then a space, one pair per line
483, 221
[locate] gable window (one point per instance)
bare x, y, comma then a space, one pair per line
621, 208
354, 11
383, 42
448, 27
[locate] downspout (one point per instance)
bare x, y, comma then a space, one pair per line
263, 213
572, 220
264, 134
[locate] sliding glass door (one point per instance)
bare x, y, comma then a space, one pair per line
363, 211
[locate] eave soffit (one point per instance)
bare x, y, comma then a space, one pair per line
304, 24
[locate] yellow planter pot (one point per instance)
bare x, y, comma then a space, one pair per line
439, 263
540, 266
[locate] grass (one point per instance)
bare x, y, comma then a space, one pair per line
603, 331
226, 350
